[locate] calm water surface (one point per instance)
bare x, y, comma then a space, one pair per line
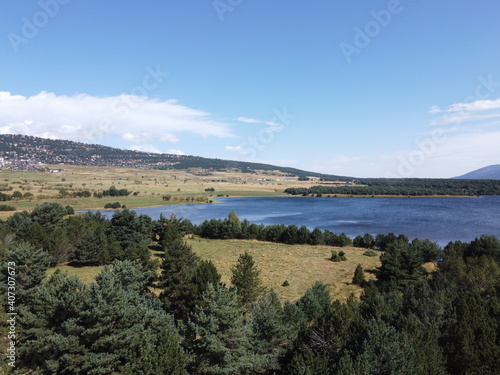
438, 219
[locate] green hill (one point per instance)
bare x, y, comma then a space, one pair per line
23, 152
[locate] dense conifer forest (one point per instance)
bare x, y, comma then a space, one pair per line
174, 316
405, 187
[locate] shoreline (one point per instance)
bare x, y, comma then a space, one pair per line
6, 214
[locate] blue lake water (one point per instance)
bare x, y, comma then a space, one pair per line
438, 219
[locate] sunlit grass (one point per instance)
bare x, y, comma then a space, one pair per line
86, 273
150, 184
300, 265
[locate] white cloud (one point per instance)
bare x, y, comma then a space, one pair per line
450, 155
88, 118
457, 118
169, 138
137, 138
478, 105
175, 152
145, 148
467, 139
249, 120
458, 113
435, 109
234, 148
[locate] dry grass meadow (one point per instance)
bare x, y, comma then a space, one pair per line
300, 265
150, 184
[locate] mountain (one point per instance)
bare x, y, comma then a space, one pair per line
26, 152
491, 172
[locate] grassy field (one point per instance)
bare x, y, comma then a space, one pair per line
150, 184
300, 265
87, 274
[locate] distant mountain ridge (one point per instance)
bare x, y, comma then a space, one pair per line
491, 172
21, 151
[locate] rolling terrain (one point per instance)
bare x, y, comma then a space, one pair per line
24, 152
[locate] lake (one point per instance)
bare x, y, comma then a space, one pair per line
438, 219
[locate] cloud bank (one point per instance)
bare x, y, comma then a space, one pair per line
458, 113
85, 118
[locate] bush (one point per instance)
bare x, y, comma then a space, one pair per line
113, 205
340, 257
370, 253
4, 207
285, 283
114, 192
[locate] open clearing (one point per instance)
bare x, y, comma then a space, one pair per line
300, 265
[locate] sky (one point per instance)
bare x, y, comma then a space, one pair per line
398, 88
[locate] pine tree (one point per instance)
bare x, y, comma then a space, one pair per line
472, 341
130, 232
401, 264
233, 223
307, 363
219, 337
359, 276
303, 235
315, 302
178, 268
386, 351
30, 266
97, 248
290, 235
170, 232
49, 215
317, 237
270, 333
246, 279
20, 224
46, 323
105, 328
206, 273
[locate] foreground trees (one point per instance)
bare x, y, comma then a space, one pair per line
107, 327
246, 279
219, 336
407, 321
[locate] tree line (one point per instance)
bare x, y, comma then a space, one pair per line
174, 316
405, 187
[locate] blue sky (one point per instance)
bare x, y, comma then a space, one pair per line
407, 88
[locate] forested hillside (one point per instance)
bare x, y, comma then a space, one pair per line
170, 314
